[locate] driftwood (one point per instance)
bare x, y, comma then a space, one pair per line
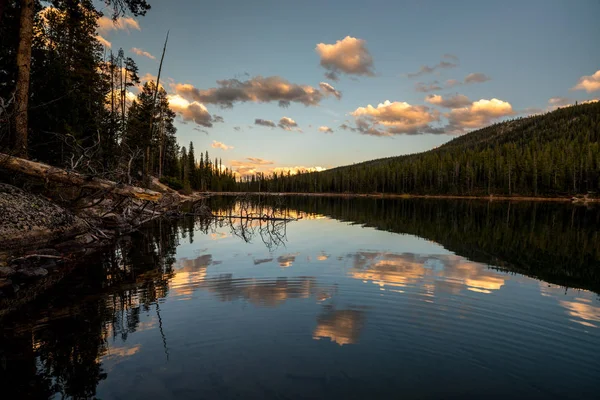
47, 172
48, 256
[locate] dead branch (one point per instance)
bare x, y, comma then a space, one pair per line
47, 172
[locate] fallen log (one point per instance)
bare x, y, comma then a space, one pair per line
48, 172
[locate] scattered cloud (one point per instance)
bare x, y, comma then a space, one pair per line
328, 89
257, 161
147, 77
237, 128
349, 55
427, 87
250, 169
192, 111
476, 77
287, 123
391, 118
456, 101
250, 165
264, 122
450, 83
103, 41
297, 169
201, 130
478, 114
325, 129
106, 24
257, 89
425, 69
450, 57
557, 102
220, 145
143, 53
589, 83
347, 127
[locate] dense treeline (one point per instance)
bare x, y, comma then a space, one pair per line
553, 154
82, 113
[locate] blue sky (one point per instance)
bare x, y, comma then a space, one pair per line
531, 52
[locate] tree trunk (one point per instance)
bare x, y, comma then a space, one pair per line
23, 74
47, 172
2, 8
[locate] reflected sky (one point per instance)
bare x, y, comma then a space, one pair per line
340, 326
434, 273
338, 310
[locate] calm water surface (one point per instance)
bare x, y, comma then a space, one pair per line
360, 298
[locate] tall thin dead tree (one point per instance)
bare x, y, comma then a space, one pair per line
147, 163
23, 76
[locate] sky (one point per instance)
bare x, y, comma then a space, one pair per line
276, 85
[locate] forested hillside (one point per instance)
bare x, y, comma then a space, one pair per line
554, 154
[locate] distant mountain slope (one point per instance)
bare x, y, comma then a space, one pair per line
557, 153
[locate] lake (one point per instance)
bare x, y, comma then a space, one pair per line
358, 298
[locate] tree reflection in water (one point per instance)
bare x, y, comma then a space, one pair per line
56, 345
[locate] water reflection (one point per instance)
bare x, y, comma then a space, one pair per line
176, 298
340, 326
583, 312
287, 260
448, 273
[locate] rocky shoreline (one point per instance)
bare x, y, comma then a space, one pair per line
42, 241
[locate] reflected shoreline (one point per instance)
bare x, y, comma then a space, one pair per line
68, 341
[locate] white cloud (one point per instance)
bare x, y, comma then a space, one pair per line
477, 115
296, 169
192, 111
251, 161
106, 24
589, 83
456, 101
325, 129
349, 55
287, 123
327, 88
103, 41
390, 118
143, 53
220, 145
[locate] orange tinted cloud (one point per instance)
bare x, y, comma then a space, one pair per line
390, 118
589, 83
103, 41
106, 24
143, 53
193, 111
220, 145
456, 101
478, 114
349, 55
257, 90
